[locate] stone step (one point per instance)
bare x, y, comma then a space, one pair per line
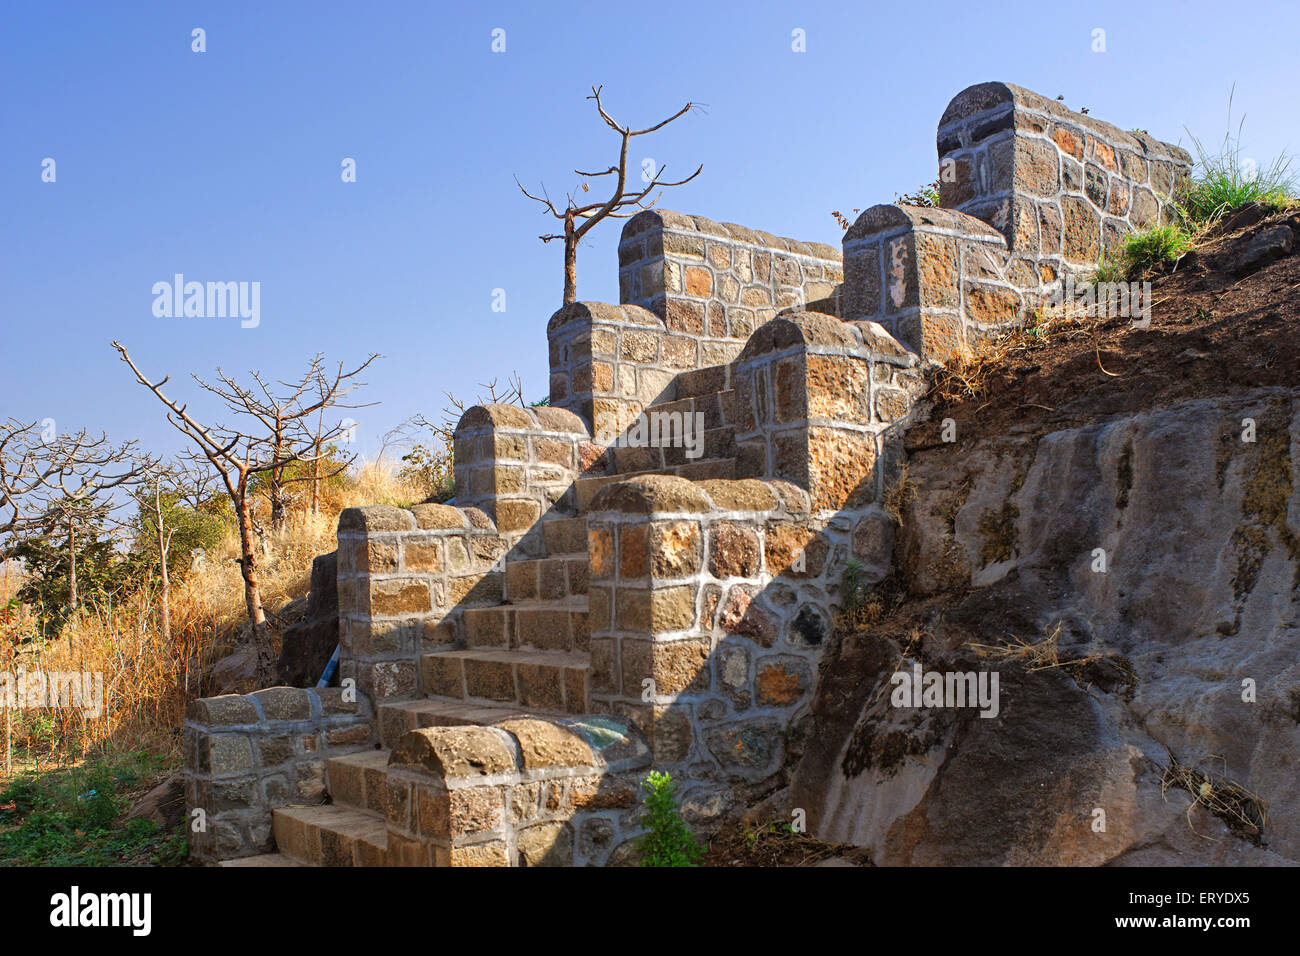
565, 536
718, 404
359, 780
719, 442
707, 468
697, 470
265, 859
539, 625
544, 680
545, 579
402, 717
331, 835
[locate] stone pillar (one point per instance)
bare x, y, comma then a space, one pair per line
709, 603
405, 576
608, 361
814, 398
518, 464
524, 792
937, 280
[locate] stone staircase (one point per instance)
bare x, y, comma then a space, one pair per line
527, 655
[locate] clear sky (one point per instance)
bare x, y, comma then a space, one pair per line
225, 165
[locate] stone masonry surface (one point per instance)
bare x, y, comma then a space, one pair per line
588, 605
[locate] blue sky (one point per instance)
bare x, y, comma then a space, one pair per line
225, 165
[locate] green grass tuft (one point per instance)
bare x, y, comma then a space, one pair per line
1222, 182
1143, 251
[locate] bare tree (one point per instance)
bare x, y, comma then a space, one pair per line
579, 219
52, 482
237, 456
286, 417
43, 474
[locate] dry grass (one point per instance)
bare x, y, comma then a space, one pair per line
1243, 811
968, 374
1110, 672
898, 494
148, 681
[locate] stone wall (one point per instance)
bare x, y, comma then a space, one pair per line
1063, 188
935, 279
405, 577
693, 626
692, 290
715, 280
709, 603
609, 362
517, 464
814, 399
523, 792
248, 754
1030, 191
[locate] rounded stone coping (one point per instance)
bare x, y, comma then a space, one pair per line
670, 494
985, 96
426, 516
270, 704
521, 745
533, 418
799, 328
683, 222
576, 312
877, 338
886, 217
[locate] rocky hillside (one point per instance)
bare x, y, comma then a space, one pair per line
1111, 535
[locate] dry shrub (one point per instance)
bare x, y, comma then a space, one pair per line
1109, 672
147, 680
898, 493
1243, 811
969, 374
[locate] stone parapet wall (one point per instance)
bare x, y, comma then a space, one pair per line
718, 281
523, 792
608, 362
816, 399
247, 754
405, 576
937, 280
517, 464
709, 603
1061, 187
692, 291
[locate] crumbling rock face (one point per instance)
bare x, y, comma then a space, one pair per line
1152, 559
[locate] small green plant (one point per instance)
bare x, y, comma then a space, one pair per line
1154, 247
1224, 181
927, 196
668, 840
1143, 251
852, 585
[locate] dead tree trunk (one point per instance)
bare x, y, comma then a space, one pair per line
622, 197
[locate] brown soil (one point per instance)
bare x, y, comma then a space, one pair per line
737, 844
1212, 332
